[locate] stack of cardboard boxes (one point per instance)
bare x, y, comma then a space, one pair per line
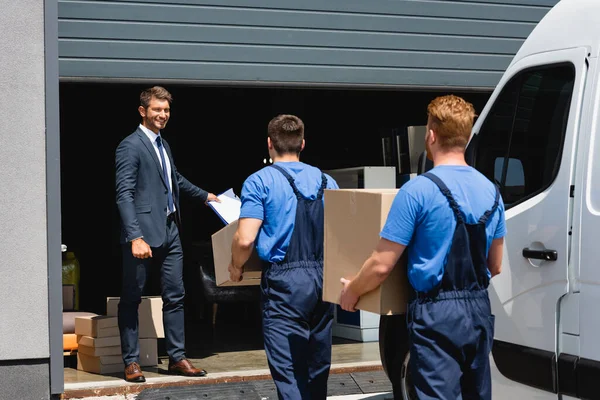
99, 343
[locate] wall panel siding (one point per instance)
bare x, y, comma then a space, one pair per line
24, 269
416, 43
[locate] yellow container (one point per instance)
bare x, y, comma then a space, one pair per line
71, 274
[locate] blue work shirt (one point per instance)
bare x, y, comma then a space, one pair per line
421, 219
268, 196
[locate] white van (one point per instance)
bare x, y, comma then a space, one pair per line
539, 138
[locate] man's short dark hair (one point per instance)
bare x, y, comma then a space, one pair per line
157, 92
287, 133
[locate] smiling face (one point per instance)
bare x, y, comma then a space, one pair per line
156, 115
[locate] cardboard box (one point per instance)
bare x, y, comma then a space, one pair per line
353, 220
98, 326
98, 342
221, 244
150, 318
99, 351
148, 352
99, 365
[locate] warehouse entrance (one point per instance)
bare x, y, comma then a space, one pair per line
218, 138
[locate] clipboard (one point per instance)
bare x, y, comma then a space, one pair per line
228, 210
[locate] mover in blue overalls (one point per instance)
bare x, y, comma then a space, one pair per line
282, 217
451, 220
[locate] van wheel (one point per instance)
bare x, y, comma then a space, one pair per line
406, 384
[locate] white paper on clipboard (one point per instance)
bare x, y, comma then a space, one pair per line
229, 207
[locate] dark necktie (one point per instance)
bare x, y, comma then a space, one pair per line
165, 175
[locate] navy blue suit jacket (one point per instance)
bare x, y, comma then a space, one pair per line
142, 190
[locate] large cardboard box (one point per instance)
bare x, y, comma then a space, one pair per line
221, 244
353, 220
97, 326
148, 352
149, 316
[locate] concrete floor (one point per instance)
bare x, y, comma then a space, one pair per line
236, 361
233, 345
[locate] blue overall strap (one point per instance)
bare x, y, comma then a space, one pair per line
323, 186
289, 178
446, 192
488, 213
293, 183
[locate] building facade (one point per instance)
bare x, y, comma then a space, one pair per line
408, 44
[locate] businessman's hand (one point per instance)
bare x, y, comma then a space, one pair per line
348, 298
212, 197
235, 274
140, 249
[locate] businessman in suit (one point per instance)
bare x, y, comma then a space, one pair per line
148, 186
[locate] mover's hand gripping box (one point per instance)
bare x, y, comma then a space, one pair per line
221, 244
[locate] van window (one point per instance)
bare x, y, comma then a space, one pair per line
519, 146
514, 184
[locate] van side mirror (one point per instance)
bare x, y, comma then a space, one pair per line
424, 163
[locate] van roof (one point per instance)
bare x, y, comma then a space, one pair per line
570, 23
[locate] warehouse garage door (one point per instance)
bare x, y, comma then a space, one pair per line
412, 43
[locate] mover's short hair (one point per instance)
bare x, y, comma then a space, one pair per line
287, 133
157, 92
451, 118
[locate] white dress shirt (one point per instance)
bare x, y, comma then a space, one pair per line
152, 136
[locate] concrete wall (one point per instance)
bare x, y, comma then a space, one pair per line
24, 314
418, 43
25, 379
24, 264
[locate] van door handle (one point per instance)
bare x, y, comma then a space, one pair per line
546, 255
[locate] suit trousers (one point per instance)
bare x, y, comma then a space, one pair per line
169, 259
